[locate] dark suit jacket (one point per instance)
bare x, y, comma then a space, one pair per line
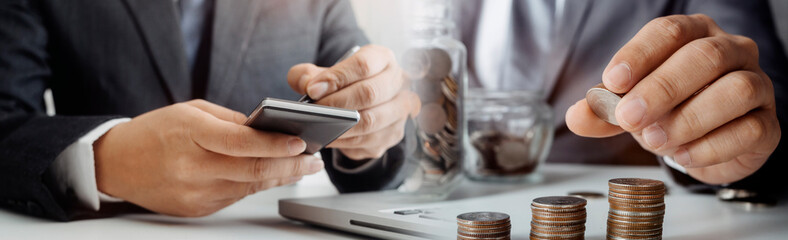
122, 58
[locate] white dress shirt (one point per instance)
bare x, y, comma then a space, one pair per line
75, 167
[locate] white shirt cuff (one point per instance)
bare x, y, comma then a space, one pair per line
75, 167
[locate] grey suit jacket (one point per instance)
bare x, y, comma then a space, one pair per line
107, 59
590, 33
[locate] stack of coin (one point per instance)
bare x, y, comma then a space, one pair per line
637, 208
558, 217
429, 72
483, 225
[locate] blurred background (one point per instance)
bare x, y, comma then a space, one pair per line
383, 21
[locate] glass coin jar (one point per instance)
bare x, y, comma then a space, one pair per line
509, 135
435, 66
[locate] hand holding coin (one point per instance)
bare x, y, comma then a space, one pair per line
691, 91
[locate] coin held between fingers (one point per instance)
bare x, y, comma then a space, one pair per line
603, 103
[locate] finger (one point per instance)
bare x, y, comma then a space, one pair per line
730, 97
581, 120
218, 111
237, 140
260, 169
367, 93
382, 116
367, 62
234, 191
271, 183
690, 69
651, 46
383, 139
753, 134
299, 75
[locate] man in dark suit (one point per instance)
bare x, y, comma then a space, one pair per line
127, 58
106, 61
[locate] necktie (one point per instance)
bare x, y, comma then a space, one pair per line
196, 17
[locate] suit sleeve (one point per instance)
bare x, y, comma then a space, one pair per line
339, 33
754, 19
29, 140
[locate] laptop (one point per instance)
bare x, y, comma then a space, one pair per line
397, 215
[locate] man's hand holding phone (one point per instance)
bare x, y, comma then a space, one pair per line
195, 158
371, 82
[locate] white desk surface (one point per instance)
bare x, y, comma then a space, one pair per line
689, 216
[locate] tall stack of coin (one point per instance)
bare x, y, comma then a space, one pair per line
483, 225
637, 208
429, 71
558, 217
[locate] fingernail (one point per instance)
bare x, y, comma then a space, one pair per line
654, 135
296, 146
316, 165
682, 157
619, 77
632, 112
317, 90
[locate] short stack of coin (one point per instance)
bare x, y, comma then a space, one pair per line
483, 225
558, 217
637, 208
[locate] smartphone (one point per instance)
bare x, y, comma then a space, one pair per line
317, 125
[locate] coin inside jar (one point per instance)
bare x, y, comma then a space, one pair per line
603, 103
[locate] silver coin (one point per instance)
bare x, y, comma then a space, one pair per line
432, 118
603, 102
636, 214
483, 218
440, 63
559, 202
416, 63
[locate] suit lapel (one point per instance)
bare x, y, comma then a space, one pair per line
234, 25
566, 37
157, 20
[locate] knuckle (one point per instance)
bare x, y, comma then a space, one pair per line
668, 88
337, 77
749, 45
705, 19
755, 131
745, 86
362, 65
298, 167
691, 120
233, 140
713, 51
671, 26
259, 168
369, 121
368, 93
